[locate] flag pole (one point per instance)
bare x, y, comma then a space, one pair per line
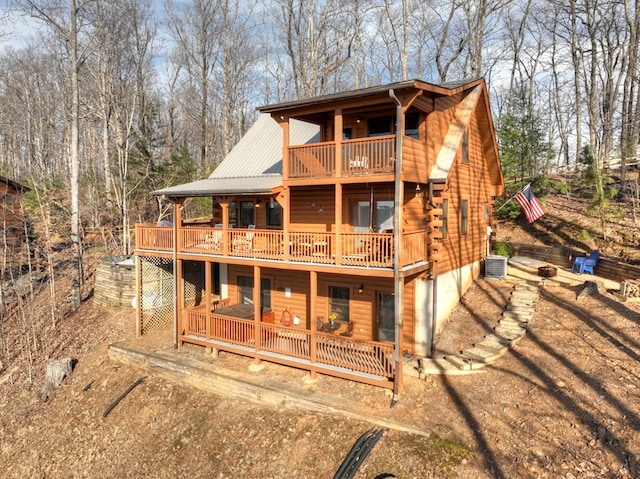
503, 204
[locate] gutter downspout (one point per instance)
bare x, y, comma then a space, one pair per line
398, 278
434, 290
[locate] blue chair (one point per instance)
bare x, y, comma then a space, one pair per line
585, 264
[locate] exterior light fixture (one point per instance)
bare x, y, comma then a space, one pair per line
361, 289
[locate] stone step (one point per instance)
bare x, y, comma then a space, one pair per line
493, 343
520, 308
525, 293
517, 316
512, 323
527, 287
505, 330
502, 340
481, 355
492, 347
461, 363
513, 336
522, 300
444, 367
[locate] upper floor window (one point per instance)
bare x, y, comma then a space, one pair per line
445, 218
380, 126
411, 124
465, 146
464, 217
274, 215
241, 214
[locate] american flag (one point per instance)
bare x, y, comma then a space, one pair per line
529, 204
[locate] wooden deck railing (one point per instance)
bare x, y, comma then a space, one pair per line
358, 249
331, 351
368, 156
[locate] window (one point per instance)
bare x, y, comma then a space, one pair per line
381, 221
347, 133
465, 146
339, 302
464, 215
245, 291
274, 215
386, 317
411, 123
445, 219
241, 215
384, 215
380, 126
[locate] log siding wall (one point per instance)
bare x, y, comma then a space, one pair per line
472, 182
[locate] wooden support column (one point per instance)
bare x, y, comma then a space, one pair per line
207, 289
285, 201
178, 287
224, 202
338, 235
283, 121
337, 137
313, 291
257, 303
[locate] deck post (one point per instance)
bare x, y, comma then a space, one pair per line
207, 288
178, 295
338, 227
337, 137
257, 306
313, 289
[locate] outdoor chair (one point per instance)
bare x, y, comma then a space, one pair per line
586, 263
349, 331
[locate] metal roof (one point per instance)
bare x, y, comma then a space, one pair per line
442, 88
253, 166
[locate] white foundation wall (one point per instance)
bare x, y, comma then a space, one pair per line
224, 280
450, 287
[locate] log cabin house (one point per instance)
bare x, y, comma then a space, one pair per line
306, 206
12, 224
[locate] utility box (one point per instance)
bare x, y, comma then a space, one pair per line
495, 267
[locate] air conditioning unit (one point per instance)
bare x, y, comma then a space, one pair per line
495, 266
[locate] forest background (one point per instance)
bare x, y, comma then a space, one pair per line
104, 101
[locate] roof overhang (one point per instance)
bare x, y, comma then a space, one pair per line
444, 89
263, 185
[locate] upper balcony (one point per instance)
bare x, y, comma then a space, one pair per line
357, 157
347, 249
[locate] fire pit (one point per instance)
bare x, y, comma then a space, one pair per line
547, 271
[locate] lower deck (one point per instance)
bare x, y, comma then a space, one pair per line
331, 353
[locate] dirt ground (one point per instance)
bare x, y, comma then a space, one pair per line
564, 402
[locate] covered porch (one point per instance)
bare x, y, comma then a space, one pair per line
331, 353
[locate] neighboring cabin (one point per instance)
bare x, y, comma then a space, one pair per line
11, 217
305, 207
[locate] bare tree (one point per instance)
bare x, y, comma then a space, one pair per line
196, 31
66, 19
315, 43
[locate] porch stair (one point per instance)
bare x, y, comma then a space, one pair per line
511, 328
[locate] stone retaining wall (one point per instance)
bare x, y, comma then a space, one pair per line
115, 282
